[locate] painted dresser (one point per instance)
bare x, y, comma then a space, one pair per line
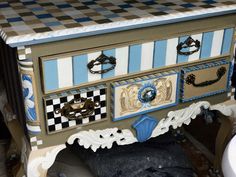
104, 72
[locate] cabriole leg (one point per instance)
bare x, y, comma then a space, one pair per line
41, 160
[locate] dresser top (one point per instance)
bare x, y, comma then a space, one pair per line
27, 22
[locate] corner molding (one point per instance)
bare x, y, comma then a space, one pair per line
40, 161
95, 139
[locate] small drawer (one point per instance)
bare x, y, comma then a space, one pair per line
144, 94
72, 69
205, 80
73, 108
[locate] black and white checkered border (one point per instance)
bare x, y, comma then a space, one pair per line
231, 94
56, 122
35, 143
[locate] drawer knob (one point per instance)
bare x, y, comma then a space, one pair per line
191, 79
78, 108
147, 93
188, 43
102, 60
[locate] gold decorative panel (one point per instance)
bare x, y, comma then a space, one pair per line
144, 94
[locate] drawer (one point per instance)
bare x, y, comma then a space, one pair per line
144, 94
205, 80
76, 107
71, 69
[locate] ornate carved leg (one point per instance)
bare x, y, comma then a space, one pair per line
223, 136
41, 160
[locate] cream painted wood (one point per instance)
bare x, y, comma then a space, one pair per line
217, 43
171, 54
195, 56
94, 77
65, 75
147, 56
122, 56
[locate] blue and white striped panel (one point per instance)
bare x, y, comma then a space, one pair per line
72, 71
216, 43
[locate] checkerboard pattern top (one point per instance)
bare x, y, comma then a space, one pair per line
28, 20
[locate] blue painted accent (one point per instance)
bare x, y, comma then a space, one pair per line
151, 2
228, 37
129, 27
16, 19
84, 19
145, 87
111, 73
123, 6
50, 75
206, 44
210, 1
64, 6
188, 5
163, 8
52, 23
99, 9
154, 109
230, 74
144, 127
5, 5
134, 58
159, 54
183, 58
29, 98
111, 15
41, 16
37, 9
89, 2
80, 73
29, 2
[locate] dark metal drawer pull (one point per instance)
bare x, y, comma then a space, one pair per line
78, 108
190, 80
102, 60
188, 43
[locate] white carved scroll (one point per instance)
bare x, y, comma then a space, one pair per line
103, 138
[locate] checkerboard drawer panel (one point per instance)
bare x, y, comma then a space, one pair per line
58, 121
205, 80
70, 71
144, 94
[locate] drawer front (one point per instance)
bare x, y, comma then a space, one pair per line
77, 107
66, 72
145, 94
205, 80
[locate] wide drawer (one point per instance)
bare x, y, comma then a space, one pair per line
76, 107
72, 69
144, 94
205, 80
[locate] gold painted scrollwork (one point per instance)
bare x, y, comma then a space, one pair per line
164, 91
129, 99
